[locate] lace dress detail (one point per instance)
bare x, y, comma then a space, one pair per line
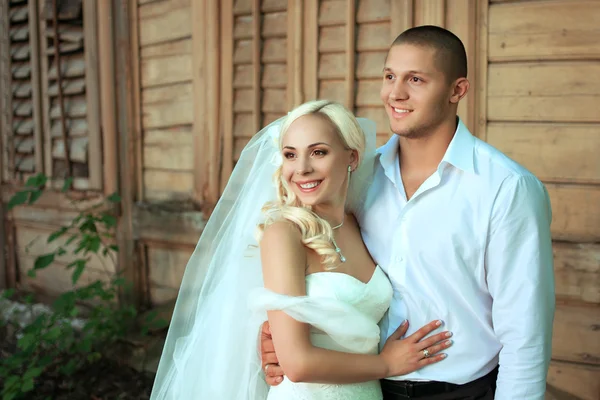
371, 300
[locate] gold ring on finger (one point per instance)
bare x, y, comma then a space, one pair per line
425, 353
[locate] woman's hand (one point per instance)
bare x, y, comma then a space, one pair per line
402, 356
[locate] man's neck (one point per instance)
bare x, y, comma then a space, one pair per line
425, 154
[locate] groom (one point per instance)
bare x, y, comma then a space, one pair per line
461, 230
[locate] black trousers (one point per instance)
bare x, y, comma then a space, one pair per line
483, 388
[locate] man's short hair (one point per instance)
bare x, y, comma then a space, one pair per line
451, 56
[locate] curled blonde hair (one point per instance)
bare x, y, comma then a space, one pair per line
317, 233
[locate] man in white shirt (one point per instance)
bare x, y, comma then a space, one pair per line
461, 230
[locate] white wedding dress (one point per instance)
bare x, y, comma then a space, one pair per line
344, 313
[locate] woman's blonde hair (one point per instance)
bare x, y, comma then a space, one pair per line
316, 232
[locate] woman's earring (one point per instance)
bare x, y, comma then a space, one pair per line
349, 168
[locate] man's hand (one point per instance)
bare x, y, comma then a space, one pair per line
270, 364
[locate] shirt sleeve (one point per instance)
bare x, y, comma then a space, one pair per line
520, 276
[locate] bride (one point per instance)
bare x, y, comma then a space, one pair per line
310, 276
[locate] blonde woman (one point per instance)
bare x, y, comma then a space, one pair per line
311, 276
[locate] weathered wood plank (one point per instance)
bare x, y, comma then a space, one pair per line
553, 152
274, 25
373, 37
582, 381
430, 12
310, 50
165, 70
576, 336
544, 91
274, 50
271, 6
242, 100
242, 52
368, 93
332, 90
242, 76
370, 65
274, 76
162, 115
332, 12
168, 185
180, 136
577, 272
164, 94
242, 125
480, 88
461, 19
173, 48
331, 39
167, 106
576, 215
166, 267
544, 30
242, 29
226, 90
274, 101
176, 157
331, 66
164, 21
373, 10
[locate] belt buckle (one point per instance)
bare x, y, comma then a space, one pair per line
410, 389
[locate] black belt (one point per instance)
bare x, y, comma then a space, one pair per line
415, 389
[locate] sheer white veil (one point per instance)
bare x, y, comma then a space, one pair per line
211, 350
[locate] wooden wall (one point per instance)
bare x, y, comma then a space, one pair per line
542, 99
207, 74
213, 73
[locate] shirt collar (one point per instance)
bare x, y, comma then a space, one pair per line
459, 153
461, 149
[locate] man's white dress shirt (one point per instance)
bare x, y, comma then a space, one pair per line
472, 247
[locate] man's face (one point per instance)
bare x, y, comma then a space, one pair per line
415, 93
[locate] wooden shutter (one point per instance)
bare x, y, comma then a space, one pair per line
21, 134
75, 98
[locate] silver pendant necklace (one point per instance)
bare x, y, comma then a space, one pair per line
337, 248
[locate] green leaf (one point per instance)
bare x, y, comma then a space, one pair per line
109, 220
53, 334
114, 247
88, 226
73, 237
94, 244
8, 293
35, 195
67, 184
55, 235
26, 342
114, 198
33, 372
27, 385
18, 199
36, 181
43, 261
31, 273
79, 268
61, 252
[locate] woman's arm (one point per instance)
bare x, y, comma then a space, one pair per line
284, 263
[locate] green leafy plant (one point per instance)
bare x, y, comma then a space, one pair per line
83, 321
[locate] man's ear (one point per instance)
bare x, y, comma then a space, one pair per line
460, 89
